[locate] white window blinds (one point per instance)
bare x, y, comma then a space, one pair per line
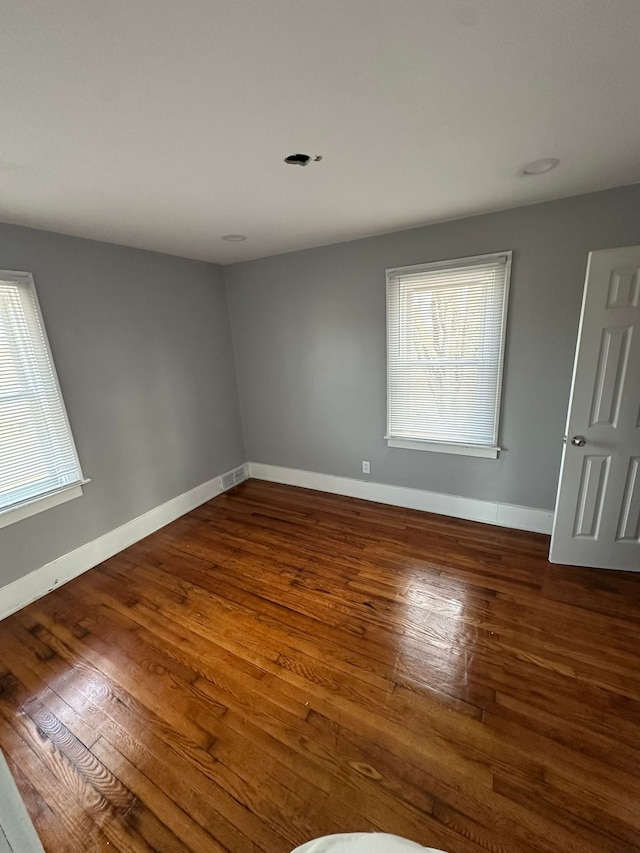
446, 326
37, 453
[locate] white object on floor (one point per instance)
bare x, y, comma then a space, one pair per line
17, 834
363, 842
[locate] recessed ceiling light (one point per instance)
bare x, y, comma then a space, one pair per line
234, 238
539, 167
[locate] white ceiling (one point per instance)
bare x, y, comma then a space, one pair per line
163, 124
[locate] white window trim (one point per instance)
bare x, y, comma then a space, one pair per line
486, 451
443, 447
40, 503
11, 514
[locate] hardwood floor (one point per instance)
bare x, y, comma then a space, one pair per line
282, 664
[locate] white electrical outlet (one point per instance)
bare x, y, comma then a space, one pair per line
366, 466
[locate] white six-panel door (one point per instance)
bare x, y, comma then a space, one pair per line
597, 518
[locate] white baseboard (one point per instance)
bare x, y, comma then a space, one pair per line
472, 509
17, 833
21, 592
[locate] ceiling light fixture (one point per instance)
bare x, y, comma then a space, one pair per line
234, 238
539, 167
301, 159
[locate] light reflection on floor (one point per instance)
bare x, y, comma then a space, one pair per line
435, 652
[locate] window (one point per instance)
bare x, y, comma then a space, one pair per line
445, 344
39, 466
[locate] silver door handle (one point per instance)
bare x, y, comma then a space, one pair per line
578, 441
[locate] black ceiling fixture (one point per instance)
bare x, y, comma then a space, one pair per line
301, 159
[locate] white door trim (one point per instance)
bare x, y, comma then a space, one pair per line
17, 833
598, 501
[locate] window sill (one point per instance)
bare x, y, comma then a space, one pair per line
12, 514
441, 447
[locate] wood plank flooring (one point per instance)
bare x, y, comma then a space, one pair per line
282, 664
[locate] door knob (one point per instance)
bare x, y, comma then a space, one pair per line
578, 441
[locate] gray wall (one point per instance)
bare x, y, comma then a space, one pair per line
142, 346
309, 336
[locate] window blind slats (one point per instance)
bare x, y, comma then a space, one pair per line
37, 453
445, 325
